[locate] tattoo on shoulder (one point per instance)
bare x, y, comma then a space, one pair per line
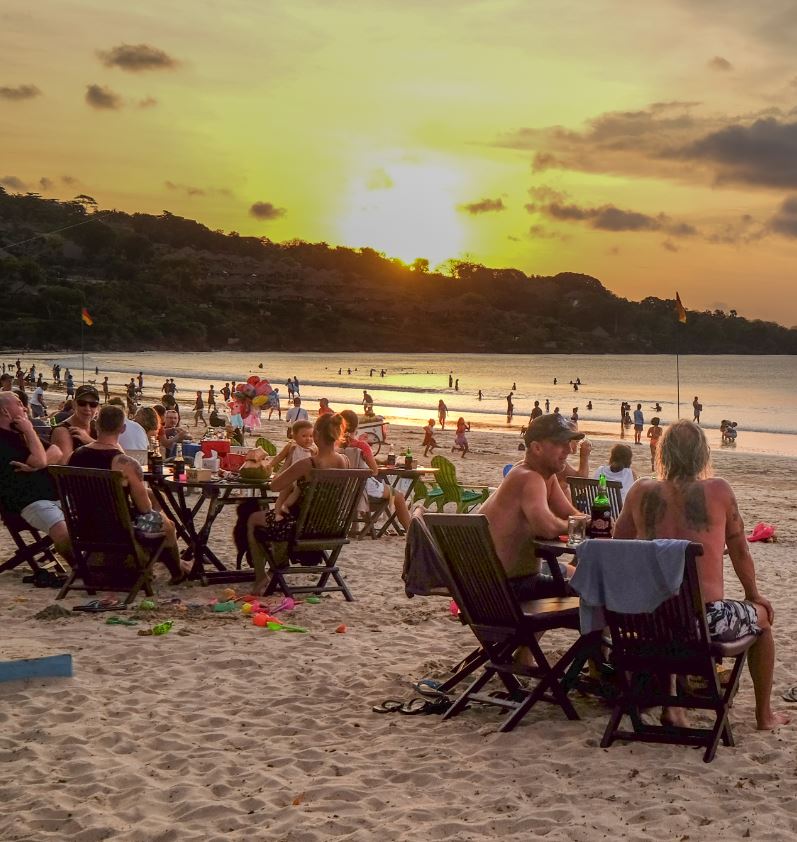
123, 460
696, 508
652, 507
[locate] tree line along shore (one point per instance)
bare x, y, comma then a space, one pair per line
165, 282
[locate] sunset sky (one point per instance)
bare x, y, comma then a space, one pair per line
651, 145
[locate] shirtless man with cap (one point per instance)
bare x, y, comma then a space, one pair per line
530, 504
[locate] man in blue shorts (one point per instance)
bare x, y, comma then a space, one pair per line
684, 503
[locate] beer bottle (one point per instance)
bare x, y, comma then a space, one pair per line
152, 449
601, 511
408, 460
391, 456
156, 464
179, 463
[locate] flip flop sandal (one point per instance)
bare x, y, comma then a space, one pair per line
417, 706
388, 706
790, 695
429, 687
96, 605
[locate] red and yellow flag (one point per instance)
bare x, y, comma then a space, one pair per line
87, 320
679, 309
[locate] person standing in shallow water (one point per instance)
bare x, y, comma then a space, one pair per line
698, 408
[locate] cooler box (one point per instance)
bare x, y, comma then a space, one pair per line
221, 447
190, 450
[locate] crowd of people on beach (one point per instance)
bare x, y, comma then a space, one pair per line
532, 501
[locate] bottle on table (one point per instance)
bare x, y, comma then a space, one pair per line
391, 456
154, 459
601, 511
179, 463
408, 460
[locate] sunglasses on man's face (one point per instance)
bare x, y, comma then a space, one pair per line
92, 404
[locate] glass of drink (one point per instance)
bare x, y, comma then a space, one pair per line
576, 529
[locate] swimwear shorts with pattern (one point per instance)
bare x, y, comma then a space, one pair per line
730, 619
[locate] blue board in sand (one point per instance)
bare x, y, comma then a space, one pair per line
53, 666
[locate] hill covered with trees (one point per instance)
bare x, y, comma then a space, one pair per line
164, 282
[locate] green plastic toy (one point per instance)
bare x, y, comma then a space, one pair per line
282, 627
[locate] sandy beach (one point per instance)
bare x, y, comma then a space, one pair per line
221, 730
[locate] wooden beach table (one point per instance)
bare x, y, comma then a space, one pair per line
173, 497
392, 474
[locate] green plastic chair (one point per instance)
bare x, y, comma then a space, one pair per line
422, 494
267, 445
466, 497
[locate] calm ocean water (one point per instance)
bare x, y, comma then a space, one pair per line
757, 392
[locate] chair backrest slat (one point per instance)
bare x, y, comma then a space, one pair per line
478, 581
95, 509
584, 490
446, 478
676, 627
329, 503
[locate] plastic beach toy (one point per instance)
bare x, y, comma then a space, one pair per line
277, 626
287, 604
224, 607
147, 605
163, 628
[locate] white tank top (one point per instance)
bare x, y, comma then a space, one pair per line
624, 476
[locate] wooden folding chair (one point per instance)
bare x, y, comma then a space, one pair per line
479, 585
583, 492
368, 510
35, 553
106, 555
673, 641
322, 529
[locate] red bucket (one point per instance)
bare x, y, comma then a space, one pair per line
221, 447
232, 461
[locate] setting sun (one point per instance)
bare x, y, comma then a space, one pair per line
406, 209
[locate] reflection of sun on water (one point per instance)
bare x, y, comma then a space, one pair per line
406, 210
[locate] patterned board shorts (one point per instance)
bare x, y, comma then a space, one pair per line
730, 619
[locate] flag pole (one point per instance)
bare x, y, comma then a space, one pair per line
681, 313
677, 370
82, 350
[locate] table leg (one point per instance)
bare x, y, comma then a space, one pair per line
392, 516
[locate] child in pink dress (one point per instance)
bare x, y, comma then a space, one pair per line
460, 439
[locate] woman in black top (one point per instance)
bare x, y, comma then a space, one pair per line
79, 428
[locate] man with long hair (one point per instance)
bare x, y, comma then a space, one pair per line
686, 502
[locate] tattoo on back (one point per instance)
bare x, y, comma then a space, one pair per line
696, 508
653, 509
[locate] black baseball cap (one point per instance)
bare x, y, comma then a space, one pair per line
87, 392
551, 428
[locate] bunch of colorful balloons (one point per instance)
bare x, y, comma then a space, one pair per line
250, 397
